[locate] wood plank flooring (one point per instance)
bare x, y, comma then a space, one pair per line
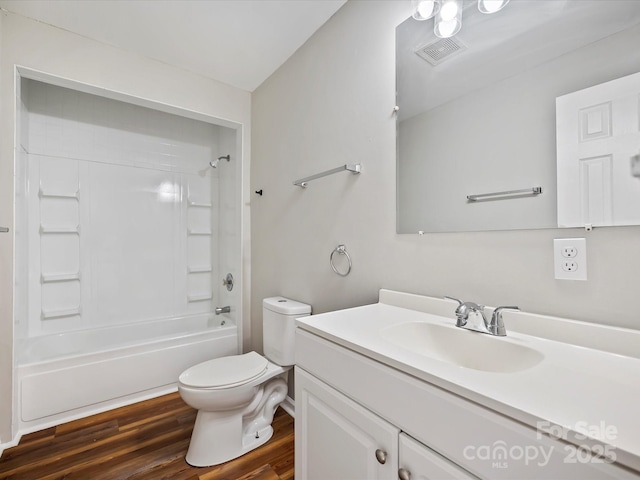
144, 441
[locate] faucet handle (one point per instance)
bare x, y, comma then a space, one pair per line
496, 327
461, 312
498, 310
460, 302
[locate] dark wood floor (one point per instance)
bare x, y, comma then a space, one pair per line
144, 441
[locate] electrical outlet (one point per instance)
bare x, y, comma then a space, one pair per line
570, 258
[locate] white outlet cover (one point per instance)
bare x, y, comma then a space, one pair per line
574, 245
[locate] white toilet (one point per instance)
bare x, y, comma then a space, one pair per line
237, 396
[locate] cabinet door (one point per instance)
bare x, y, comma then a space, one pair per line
338, 439
418, 462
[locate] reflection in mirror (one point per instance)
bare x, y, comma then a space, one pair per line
598, 137
479, 116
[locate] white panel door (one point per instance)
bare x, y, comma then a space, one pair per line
418, 462
338, 439
598, 136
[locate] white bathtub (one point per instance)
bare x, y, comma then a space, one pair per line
72, 375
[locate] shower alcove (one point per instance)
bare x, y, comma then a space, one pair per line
126, 225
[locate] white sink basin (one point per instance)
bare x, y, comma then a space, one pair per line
462, 347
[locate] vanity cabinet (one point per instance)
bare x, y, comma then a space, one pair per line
350, 406
336, 438
340, 438
419, 462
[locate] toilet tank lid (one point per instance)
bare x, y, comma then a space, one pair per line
286, 306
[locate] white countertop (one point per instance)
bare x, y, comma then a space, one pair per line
585, 391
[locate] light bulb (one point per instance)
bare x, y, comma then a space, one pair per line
491, 6
449, 11
447, 29
424, 9
449, 20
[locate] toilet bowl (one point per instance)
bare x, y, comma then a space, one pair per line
237, 396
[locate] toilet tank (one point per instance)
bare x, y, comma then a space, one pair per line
279, 326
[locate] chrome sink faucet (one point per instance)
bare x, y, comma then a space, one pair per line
495, 326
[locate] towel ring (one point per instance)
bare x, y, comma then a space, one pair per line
342, 250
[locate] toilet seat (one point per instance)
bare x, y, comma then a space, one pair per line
225, 372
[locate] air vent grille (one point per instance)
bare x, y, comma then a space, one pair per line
440, 50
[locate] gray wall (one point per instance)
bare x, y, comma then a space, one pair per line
331, 104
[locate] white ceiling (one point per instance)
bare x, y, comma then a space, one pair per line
238, 42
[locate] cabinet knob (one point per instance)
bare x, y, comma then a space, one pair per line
381, 456
404, 474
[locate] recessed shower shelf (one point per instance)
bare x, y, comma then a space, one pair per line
193, 204
59, 229
43, 193
199, 298
199, 269
59, 277
69, 312
192, 231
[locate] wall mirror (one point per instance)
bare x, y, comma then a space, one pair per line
477, 116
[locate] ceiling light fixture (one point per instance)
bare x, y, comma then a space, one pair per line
448, 13
491, 6
424, 9
448, 21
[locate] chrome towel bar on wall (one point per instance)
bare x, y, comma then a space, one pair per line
506, 194
355, 169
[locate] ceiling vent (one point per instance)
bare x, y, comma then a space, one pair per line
437, 52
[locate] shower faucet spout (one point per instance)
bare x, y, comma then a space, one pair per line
220, 310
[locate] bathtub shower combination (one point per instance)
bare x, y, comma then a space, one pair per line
127, 221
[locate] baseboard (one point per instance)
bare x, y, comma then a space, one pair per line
289, 406
11, 443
